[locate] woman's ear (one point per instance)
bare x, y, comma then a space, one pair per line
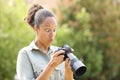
35, 28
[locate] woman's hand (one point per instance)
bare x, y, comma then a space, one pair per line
57, 58
68, 70
67, 65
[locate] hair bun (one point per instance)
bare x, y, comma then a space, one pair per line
37, 6
31, 12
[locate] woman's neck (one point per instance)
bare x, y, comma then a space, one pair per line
43, 47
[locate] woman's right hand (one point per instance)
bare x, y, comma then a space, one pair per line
57, 58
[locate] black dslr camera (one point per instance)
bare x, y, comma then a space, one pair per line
77, 66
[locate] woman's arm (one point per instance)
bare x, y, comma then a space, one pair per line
24, 67
46, 72
56, 59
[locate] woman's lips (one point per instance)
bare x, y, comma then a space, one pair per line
51, 39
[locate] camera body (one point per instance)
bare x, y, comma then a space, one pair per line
77, 66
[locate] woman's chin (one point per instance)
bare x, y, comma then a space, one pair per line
50, 42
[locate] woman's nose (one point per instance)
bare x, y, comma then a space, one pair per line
52, 33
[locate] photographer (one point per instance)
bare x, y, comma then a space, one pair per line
40, 60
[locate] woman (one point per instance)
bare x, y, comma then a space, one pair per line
40, 60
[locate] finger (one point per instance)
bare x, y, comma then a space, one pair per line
61, 57
59, 53
67, 61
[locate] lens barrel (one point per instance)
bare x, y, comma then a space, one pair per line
77, 66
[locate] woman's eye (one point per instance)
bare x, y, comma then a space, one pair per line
47, 30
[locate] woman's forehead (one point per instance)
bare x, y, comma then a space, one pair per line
49, 21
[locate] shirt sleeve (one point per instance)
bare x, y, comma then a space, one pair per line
24, 67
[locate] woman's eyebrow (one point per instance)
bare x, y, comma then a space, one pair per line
48, 26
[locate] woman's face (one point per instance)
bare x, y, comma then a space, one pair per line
47, 31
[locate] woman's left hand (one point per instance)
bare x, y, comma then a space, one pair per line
67, 65
68, 70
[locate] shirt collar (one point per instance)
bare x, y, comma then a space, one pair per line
34, 47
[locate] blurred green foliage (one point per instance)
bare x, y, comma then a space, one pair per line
91, 27
13, 35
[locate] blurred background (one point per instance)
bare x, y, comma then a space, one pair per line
90, 27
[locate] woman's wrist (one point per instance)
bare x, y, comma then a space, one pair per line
68, 75
46, 72
51, 65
